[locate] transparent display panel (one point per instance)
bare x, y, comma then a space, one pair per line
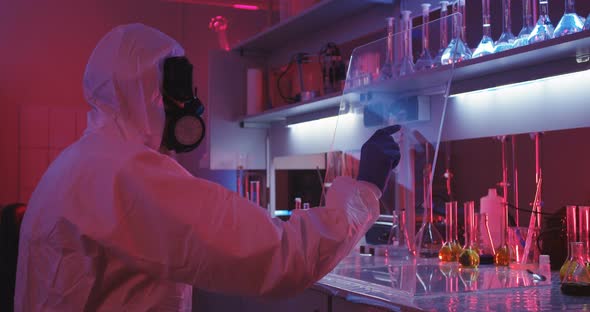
384, 88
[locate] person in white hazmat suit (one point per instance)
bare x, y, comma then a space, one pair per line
115, 225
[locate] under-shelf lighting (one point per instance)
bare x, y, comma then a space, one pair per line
245, 7
578, 78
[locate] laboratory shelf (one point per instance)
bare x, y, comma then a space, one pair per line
545, 59
316, 17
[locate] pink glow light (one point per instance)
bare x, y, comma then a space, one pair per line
245, 7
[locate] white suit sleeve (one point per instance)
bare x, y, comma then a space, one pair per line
190, 230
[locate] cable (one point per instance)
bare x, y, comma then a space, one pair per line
288, 100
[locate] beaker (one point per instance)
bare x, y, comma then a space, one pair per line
486, 45
483, 238
577, 278
571, 236
446, 253
406, 63
506, 40
469, 257
387, 71
425, 61
398, 243
527, 24
570, 22
444, 29
457, 51
543, 28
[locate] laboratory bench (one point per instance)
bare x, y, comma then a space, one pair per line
376, 283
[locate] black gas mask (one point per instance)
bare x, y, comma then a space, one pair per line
184, 128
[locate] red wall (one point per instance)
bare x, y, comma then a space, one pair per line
45, 46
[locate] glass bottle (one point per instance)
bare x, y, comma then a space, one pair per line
425, 61
444, 32
387, 71
506, 40
469, 257
572, 236
406, 65
428, 239
457, 51
570, 21
446, 253
543, 28
486, 45
527, 24
577, 278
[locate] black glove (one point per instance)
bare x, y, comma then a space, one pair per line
379, 155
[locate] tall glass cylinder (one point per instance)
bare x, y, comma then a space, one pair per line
543, 28
469, 257
387, 71
571, 235
425, 61
444, 32
462, 9
570, 21
506, 40
406, 65
486, 45
527, 24
446, 251
584, 220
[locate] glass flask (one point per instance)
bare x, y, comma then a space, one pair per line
570, 21
527, 24
483, 239
457, 51
469, 257
572, 236
386, 71
486, 45
506, 40
576, 281
444, 32
406, 62
428, 239
543, 28
398, 238
447, 252
425, 61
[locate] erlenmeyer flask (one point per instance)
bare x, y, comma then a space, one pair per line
543, 28
428, 239
572, 236
398, 238
457, 51
486, 45
425, 61
483, 238
469, 257
446, 253
527, 24
387, 70
570, 21
406, 62
506, 40
444, 32
577, 278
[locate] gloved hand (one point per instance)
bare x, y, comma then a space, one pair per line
379, 155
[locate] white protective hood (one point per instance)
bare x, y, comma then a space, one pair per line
114, 225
